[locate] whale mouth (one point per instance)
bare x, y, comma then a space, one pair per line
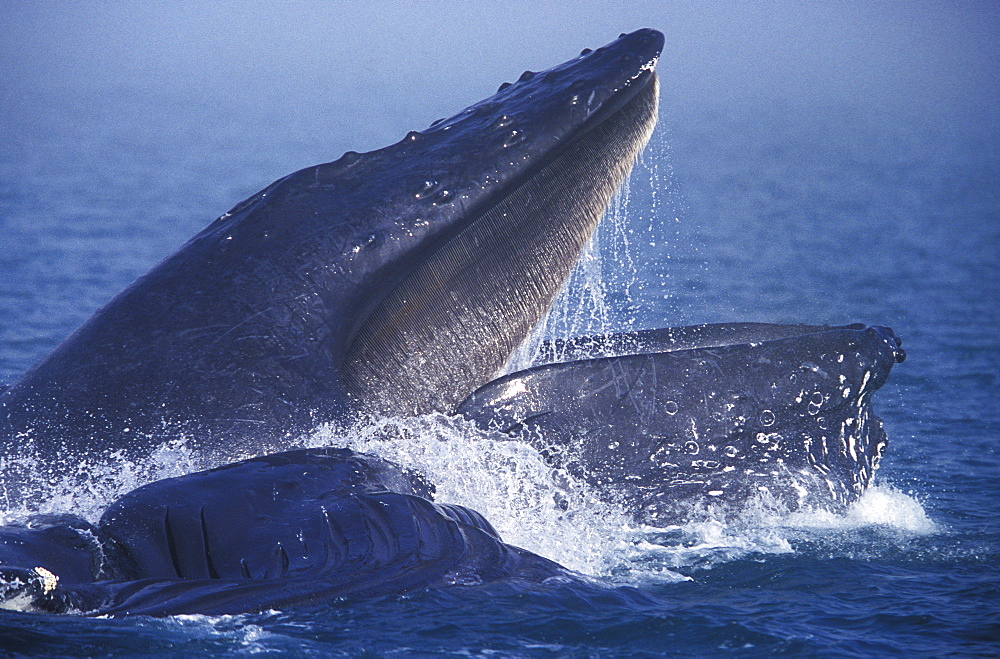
401, 278
671, 421
454, 319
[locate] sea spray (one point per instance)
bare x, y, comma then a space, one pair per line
95, 483
531, 505
882, 516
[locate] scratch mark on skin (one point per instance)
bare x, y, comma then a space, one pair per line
248, 319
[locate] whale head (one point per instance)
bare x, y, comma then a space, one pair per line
486, 216
398, 280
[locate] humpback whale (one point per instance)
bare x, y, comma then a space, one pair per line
399, 282
353, 284
668, 421
291, 528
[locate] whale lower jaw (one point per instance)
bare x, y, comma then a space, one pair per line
481, 293
682, 420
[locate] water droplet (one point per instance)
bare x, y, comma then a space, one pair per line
585, 51
527, 75
515, 137
426, 188
670, 407
767, 418
691, 447
503, 121
503, 86
815, 403
731, 451
364, 241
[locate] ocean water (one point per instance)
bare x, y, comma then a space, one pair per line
749, 209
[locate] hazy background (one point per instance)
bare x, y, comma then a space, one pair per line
814, 162
411, 58
786, 128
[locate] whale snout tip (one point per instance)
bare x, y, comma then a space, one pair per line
894, 342
644, 45
646, 36
646, 40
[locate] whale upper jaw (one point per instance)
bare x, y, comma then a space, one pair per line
568, 138
397, 280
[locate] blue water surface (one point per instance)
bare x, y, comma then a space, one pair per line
834, 208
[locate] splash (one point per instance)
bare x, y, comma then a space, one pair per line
880, 507
542, 509
225, 629
553, 514
882, 517
95, 483
531, 505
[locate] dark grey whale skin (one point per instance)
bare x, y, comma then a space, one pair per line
670, 424
296, 528
397, 280
667, 422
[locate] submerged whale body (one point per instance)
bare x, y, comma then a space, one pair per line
399, 282
292, 528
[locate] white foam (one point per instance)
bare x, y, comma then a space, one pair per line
95, 483
881, 506
700, 543
531, 505
250, 638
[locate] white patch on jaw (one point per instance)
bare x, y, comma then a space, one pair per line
49, 580
513, 388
